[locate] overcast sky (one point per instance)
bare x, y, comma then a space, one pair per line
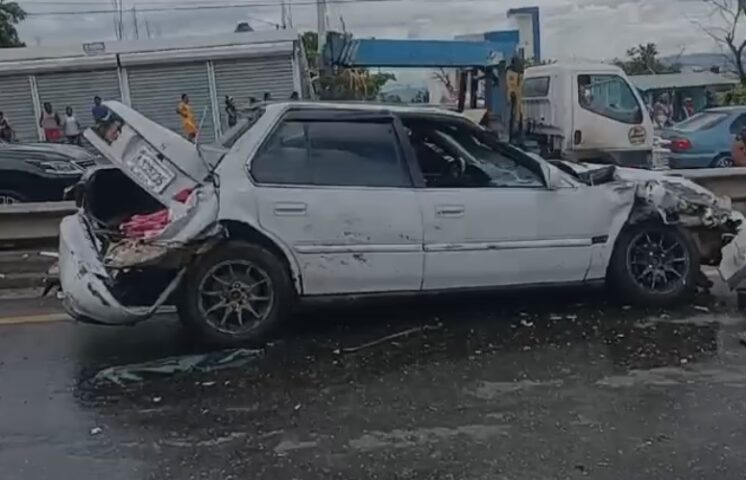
579, 29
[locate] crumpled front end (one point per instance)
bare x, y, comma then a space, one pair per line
719, 230
118, 267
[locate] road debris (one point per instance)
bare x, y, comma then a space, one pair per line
96, 430
527, 324
387, 338
741, 338
200, 363
701, 308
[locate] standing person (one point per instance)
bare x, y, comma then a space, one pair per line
50, 122
267, 97
71, 127
661, 111
98, 111
710, 100
688, 107
230, 111
738, 149
6, 131
188, 123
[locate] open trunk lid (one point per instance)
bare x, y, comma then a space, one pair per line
156, 158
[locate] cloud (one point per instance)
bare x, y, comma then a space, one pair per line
571, 29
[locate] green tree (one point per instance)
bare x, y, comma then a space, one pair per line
10, 14
643, 60
346, 83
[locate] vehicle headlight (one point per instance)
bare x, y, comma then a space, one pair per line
58, 167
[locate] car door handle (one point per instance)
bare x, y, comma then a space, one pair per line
290, 208
450, 211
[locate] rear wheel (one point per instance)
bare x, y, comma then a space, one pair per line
237, 294
9, 197
722, 161
654, 265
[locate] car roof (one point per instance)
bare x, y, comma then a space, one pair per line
361, 106
728, 109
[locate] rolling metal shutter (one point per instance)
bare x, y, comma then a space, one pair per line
244, 78
17, 103
77, 89
155, 91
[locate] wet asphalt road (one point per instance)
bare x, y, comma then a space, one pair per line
538, 386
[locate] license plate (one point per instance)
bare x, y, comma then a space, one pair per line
150, 170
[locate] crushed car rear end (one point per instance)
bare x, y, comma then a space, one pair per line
123, 253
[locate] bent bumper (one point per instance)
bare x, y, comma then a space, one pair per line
85, 282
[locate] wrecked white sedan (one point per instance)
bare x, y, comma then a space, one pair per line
308, 199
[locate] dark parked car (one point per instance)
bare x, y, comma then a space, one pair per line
39, 172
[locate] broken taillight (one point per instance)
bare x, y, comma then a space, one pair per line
680, 144
183, 195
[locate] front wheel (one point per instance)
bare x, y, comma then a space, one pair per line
9, 197
237, 294
654, 265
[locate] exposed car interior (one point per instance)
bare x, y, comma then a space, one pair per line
451, 155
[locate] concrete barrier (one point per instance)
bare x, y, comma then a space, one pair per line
29, 223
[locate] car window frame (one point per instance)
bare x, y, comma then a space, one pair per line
335, 115
641, 110
503, 148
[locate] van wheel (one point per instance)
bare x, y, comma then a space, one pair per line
237, 294
654, 265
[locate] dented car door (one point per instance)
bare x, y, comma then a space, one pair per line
338, 192
492, 216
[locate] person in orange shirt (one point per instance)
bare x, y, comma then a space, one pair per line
188, 123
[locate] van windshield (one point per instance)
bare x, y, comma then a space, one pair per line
700, 121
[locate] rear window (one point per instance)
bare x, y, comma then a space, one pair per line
701, 121
246, 120
536, 87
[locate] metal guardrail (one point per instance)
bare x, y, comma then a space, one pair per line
728, 182
32, 222
39, 222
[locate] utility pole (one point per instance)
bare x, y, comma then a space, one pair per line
321, 14
134, 22
283, 14
290, 14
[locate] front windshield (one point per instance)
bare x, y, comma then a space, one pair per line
456, 154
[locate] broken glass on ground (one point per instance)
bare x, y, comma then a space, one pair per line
183, 364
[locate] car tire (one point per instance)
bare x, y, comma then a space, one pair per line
254, 285
723, 160
10, 196
670, 250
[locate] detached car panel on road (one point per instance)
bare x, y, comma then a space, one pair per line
307, 199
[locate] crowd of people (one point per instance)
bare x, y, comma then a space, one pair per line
57, 128
189, 123
67, 128
664, 113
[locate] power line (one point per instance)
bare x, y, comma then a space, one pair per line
221, 6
